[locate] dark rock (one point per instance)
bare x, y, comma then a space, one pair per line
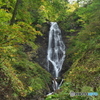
42, 41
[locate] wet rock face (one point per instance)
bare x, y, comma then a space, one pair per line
42, 41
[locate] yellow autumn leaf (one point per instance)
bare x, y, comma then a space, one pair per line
30, 88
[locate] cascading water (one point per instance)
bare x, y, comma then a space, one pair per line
55, 52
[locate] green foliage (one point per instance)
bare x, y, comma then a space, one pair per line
54, 10
84, 53
4, 16
87, 13
70, 24
28, 11
19, 77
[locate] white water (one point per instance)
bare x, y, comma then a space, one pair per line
55, 53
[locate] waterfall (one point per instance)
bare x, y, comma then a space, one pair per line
55, 52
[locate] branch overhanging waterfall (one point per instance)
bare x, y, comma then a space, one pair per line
55, 52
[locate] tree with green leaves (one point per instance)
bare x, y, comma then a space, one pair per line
14, 12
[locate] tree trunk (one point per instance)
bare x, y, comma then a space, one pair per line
14, 13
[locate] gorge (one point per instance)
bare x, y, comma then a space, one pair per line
49, 47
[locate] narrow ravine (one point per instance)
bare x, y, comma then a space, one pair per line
55, 53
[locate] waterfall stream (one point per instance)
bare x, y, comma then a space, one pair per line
55, 53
